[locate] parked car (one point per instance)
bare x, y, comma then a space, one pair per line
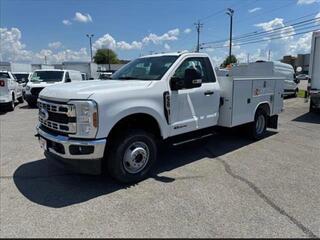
105, 75
302, 77
115, 125
22, 78
10, 91
44, 78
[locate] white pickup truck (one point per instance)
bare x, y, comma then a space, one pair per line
10, 91
116, 124
47, 77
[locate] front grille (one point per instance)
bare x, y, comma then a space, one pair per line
59, 117
35, 91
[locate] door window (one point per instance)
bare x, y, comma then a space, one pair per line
202, 65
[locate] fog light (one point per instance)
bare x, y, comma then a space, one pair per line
80, 150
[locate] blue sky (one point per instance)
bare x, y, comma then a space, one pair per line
31, 29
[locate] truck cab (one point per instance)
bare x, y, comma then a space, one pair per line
115, 125
48, 77
10, 91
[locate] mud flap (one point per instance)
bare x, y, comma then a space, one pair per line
273, 122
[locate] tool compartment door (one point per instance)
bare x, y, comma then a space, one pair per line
242, 102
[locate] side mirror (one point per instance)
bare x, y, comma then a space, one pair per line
68, 80
193, 78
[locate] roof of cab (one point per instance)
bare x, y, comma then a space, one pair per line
174, 54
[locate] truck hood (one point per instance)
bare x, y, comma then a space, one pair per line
84, 89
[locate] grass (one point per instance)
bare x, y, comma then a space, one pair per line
301, 93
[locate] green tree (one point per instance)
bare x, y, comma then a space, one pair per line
228, 61
103, 56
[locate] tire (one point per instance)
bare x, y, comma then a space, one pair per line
21, 99
259, 126
11, 105
131, 156
311, 107
32, 104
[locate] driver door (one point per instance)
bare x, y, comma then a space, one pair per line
196, 108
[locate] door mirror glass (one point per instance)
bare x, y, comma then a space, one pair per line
192, 78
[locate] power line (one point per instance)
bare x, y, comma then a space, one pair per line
269, 39
268, 32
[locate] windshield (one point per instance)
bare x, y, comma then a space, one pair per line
47, 76
150, 68
21, 77
4, 75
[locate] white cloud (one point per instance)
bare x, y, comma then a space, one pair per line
107, 41
302, 45
55, 45
167, 46
84, 18
66, 22
305, 2
12, 49
277, 28
171, 35
187, 30
317, 20
254, 10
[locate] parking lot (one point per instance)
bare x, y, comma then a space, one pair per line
221, 186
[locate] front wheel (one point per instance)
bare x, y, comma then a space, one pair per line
131, 156
259, 126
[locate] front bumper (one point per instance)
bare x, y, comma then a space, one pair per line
59, 148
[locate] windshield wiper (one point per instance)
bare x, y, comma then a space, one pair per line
129, 78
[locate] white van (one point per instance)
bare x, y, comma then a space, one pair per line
47, 77
291, 82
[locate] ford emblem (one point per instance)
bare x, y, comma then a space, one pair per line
44, 114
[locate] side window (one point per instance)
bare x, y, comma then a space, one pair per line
202, 65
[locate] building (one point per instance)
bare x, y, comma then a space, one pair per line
301, 60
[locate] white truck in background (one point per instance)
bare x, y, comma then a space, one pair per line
10, 91
47, 77
115, 125
314, 72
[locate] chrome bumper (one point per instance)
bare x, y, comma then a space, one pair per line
66, 142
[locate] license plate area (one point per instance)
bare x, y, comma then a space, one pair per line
43, 143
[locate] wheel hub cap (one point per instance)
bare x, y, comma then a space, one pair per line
136, 157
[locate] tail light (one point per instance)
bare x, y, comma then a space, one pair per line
2, 83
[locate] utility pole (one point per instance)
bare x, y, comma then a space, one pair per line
45, 59
109, 58
269, 55
248, 58
90, 36
230, 12
198, 27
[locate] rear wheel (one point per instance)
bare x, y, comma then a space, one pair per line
131, 156
259, 126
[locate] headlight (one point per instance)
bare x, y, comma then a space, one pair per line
87, 118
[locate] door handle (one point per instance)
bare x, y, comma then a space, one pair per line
208, 93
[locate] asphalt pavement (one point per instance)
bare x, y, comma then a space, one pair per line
221, 186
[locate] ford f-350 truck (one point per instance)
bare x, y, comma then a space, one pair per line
115, 125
